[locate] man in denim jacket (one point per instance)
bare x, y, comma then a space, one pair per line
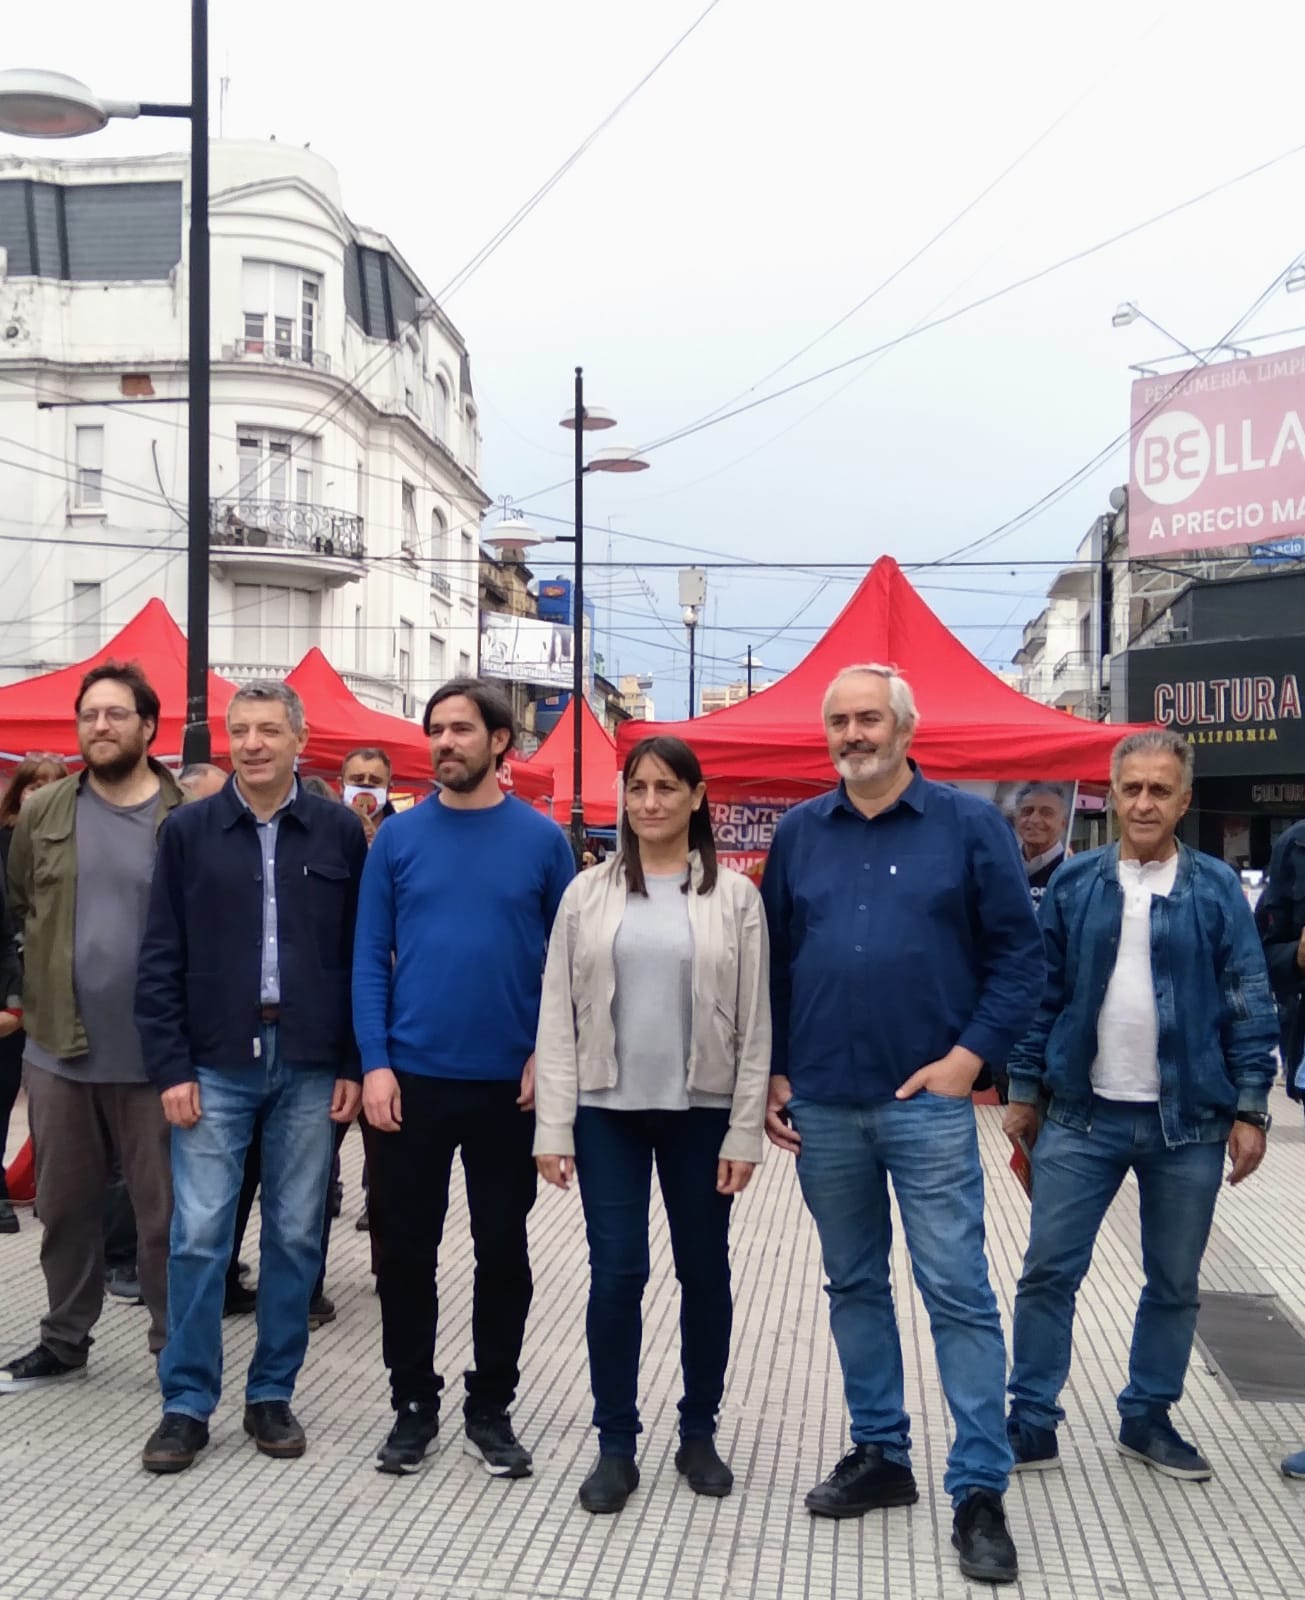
1153, 1047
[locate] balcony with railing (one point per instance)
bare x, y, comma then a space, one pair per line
441, 586
270, 535
1074, 680
294, 352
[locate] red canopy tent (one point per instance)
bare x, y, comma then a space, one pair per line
37, 714
339, 722
972, 725
598, 778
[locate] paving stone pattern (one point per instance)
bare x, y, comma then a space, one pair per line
79, 1519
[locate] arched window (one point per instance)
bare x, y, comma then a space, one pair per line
441, 409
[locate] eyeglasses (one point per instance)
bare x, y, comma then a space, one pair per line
115, 715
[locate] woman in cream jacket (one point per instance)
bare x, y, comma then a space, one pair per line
654, 1044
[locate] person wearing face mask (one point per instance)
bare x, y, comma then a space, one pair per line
365, 786
654, 1045
904, 956
30, 776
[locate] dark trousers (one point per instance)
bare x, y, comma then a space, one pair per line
11, 1077
614, 1155
245, 1204
409, 1173
77, 1131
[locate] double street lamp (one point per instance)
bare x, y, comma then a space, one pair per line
514, 535
49, 105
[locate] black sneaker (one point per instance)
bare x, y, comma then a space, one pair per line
491, 1439
8, 1217
1157, 1443
321, 1310
37, 1367
174, 1444
364, 1221
275, 1429
1034, 1449
123, 1284
413, 1432
982, 1539
863, 1481
238, 1301
699, 1462
609, 1485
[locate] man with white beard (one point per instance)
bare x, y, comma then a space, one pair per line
904, 955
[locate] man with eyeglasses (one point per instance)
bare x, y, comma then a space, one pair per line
79, 876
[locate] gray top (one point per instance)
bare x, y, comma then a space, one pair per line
653, 1006
115, 862
269, 988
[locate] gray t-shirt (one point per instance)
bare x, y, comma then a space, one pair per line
653, 1005
115, 862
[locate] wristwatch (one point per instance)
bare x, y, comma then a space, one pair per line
1257, 1119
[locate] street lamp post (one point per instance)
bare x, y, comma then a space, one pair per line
49, 105
515, 535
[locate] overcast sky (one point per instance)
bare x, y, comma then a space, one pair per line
783, 162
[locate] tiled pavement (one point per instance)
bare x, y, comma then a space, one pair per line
78, 1518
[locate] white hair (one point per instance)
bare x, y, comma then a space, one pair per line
1155, 741
901, 702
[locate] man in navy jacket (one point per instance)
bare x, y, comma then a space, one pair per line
904, 956
243, 1006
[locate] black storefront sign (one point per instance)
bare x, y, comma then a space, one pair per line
1238, 702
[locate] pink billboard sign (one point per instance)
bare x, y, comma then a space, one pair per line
1218, 456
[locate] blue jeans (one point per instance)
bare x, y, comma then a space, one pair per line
1075, 1177
614, 1154
929, 1147
208, 1163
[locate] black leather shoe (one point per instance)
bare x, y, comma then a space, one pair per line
8, 1217
982, 1540
274, 1428
237, 1300
174, 1444
609, 1485
702, 1466
863, 1481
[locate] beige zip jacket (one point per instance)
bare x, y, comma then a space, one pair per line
730, 1050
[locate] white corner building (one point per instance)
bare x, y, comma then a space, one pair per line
345, 449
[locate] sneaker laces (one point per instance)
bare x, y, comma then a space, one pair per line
851, 1464
983, 1512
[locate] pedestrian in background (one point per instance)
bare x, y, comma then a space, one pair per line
1153, 1049
458, 899
80, 864
654, 1046
243, 1010
1280, 918
904, 955
28, 778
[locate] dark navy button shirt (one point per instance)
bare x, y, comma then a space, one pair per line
894, 938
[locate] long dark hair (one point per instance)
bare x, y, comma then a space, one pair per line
675, 754
21, 781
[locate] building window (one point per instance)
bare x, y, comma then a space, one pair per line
409, 523
275, 627
441, 418
464, 664
90, 466
473, 440
276, 466
405, 656
86, 615
439, 556
435, 666
281, 306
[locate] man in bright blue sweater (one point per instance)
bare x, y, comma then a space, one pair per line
458, 898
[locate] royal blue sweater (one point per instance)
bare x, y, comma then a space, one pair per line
453, 922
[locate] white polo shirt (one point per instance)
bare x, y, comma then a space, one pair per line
1128, 1030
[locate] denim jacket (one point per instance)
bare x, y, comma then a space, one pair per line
1217, 1024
